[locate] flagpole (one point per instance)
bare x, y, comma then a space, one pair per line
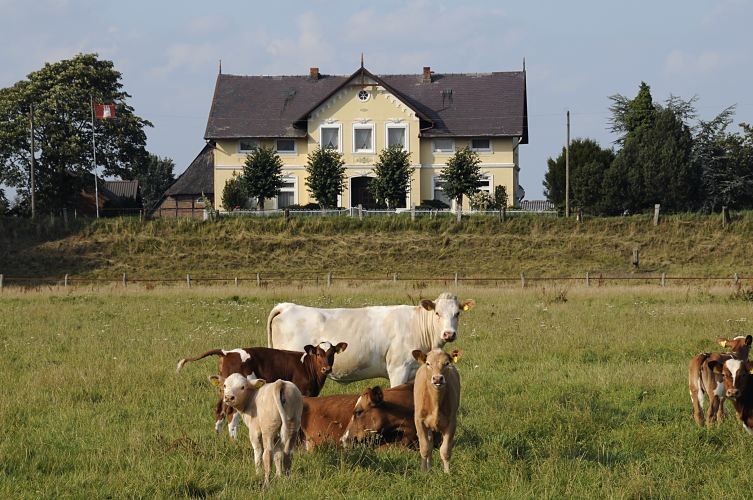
94, 156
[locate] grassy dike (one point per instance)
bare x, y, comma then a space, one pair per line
564, 394
682, 245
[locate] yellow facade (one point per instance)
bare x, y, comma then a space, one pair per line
379, 112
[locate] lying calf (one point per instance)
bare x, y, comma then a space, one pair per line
436, 397
272, 413
736, 375
383, 417
703, 381
307, 370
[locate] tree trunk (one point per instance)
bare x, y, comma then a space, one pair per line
260, 205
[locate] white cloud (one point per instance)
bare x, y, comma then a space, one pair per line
308, 48
186, 56
679, 62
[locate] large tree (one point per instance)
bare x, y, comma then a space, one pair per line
155, 175
60, 94
588, 163
462, 175
393, 174
262, 175
326, 176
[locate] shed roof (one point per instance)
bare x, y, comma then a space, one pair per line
122, 189
198, 177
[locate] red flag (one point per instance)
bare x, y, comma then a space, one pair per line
104, 111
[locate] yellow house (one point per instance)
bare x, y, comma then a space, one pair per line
431, 115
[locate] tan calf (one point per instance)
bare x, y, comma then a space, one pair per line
703, 381
436, 396
272, 413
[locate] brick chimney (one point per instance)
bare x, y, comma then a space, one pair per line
427, 74
314, 73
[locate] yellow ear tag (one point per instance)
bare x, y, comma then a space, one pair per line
750, 371
455, 359
465, 307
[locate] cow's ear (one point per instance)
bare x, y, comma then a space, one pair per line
376, 396
419, 356
341, 347
309, 349
722, 342
468, 304
716, 366
748, 339
216, 380
427, 304
257, 383
456, 355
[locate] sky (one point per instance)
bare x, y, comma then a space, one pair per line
577, 54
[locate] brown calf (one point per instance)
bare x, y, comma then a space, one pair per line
736, 375
383, 417
324, 419
703, 381
307, 370
436, 396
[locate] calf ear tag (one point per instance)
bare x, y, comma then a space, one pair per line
750, 370
455, 358
466, 307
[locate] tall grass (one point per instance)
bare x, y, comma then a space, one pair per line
565, 393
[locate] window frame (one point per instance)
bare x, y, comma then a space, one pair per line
481, 150
442, 151
435, 184
247, 151
363, 126
339, 128
293, 189
285, 152
404, 126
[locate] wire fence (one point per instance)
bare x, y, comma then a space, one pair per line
329, 279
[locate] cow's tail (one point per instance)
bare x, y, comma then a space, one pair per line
276, 311
213, 352
280, 400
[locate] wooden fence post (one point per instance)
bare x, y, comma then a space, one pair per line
258, 279
663, 279
394, 277
737, 278
588, 279
458, 214
65, 281
287, 214
522, 280
412, 211
1, 281
360, 212
579, 216
236, 281
636, 258
657, 207
188, 280
456, 278
329, 279
125, 280
725, 216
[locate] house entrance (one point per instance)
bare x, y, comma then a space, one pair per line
360, 194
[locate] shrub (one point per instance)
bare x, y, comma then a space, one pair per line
234, 195
326, 176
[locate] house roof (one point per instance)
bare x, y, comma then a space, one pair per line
121, 189
198, 177
487, 104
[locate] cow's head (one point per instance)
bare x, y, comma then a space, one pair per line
323, 355
236, 389
738, 346
368, 418
736, 374
438, 363
446, 310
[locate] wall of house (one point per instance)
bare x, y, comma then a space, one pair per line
187, 205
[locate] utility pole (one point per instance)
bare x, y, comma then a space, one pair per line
567, 168
94, 156
32, 174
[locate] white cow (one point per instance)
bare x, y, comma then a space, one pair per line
380, 339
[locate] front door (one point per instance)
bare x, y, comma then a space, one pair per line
360, 193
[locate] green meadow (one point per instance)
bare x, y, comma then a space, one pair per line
565, 393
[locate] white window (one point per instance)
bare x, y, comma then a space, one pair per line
444, 145
363, 138
485, 184
363, 95
481, 145
247, 145
285, 146
330, 137
439, 193
397, 134
287, 192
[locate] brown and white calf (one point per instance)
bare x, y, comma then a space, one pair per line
702, 381
307, 370
272, 413
383, 416
436, 396
736, 376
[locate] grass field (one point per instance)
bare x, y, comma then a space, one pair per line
565, 393
682, 245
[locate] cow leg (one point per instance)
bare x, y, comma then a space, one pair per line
255, 436
279, 458
445, 451
219, 416
288, 443
696, 396
269, 448
425, 445
401, 374
713, 409
232, 425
